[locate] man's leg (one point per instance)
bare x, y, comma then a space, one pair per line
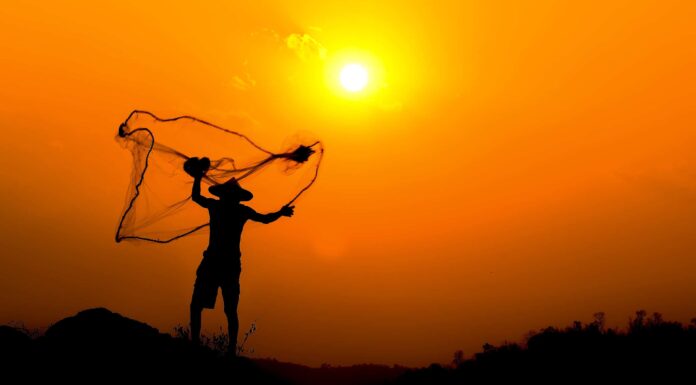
230, 294
204, 293
196, 312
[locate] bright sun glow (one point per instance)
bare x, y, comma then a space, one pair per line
353, 77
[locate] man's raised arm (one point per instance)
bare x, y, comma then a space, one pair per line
285, 211
196, 192
197, 168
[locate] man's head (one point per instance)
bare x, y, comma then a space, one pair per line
231, 190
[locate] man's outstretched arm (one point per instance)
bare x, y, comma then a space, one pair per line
285, 211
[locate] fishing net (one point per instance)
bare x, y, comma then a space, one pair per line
158, 207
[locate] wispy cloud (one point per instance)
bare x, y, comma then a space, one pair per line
305, 46
243, 83
275, 54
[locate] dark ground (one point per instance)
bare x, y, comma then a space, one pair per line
99, 346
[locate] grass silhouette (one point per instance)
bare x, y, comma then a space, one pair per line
218, 342
97, 345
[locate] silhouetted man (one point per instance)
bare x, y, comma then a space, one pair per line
221, 264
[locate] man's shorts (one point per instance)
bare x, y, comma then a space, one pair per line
214, 272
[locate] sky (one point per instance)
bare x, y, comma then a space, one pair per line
511, 165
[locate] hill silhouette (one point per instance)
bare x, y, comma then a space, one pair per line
98, 345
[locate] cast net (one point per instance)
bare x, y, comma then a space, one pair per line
158, 207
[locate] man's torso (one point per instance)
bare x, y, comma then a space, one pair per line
226, 225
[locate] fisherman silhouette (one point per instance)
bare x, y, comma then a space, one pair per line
221, 264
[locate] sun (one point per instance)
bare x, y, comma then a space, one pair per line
354, 77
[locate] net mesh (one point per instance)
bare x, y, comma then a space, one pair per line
158, 207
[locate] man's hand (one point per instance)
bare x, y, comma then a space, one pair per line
197, 167
287, 211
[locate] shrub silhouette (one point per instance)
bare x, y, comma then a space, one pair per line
649, 347
98, 345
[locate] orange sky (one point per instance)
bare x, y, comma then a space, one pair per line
513, 166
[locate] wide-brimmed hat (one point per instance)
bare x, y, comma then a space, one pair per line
231, 188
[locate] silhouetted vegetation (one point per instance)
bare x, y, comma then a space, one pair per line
98, 346
649, 347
